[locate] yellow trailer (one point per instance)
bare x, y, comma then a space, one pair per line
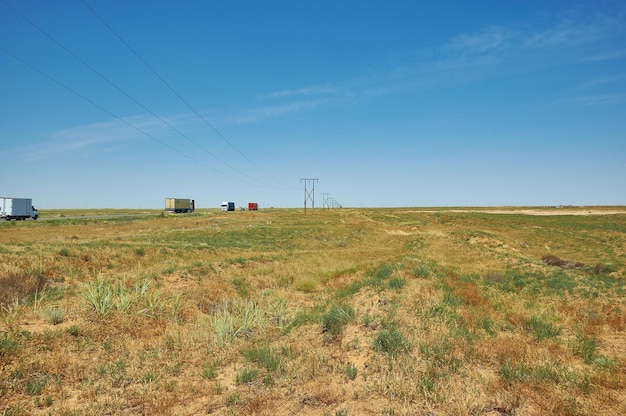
178, 205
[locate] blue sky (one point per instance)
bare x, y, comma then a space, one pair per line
388, 103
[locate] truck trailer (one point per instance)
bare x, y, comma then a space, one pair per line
253, 206
228, 206
179, 205
17, 209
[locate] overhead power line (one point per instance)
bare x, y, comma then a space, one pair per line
114, 85
177, 94
129, 124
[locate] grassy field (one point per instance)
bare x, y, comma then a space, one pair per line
340, 312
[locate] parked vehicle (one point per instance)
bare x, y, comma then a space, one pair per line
179, 205
228, 206
253, 206
17, 209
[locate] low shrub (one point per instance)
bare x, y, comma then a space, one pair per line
54, 315
20, 286
552, 260
601, 268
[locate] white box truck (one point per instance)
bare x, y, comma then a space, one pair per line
17, 209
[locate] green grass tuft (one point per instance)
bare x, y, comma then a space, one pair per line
247, 375
265, 357
391, 342
335, 319
541, 329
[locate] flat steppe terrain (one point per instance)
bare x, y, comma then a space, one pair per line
406, 311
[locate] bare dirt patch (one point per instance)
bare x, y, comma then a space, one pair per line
539, 211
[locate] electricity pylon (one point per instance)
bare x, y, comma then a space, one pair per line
309, 195
325, 200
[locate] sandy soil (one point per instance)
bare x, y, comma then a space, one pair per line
542, 211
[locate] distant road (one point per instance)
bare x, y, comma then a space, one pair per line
103, 216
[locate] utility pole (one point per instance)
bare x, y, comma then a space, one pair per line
309, 195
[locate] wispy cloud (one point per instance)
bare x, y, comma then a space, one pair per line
518, 38
608, 55
273, 111
463, 58
490, 39
572, 32
282, 103
603, 81
89, 139
303, 92
598, 99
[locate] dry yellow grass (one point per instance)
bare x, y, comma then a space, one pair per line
343, 312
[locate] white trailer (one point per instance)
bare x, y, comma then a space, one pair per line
17, 209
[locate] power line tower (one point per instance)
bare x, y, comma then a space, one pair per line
309, 195
325, 200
